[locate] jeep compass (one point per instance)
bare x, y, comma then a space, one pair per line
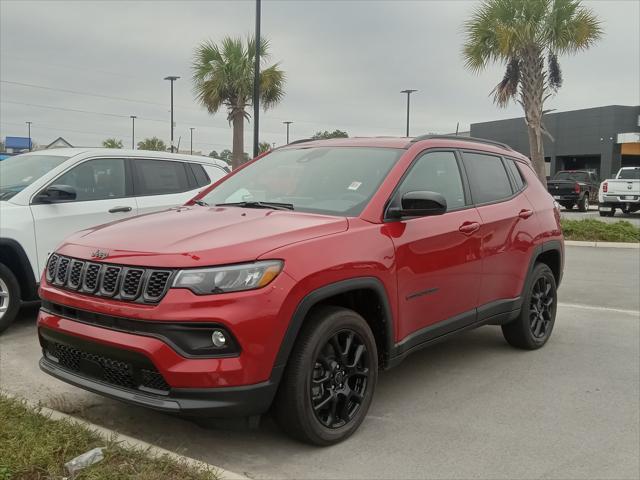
289, 284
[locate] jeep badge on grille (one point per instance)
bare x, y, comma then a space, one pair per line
101, 254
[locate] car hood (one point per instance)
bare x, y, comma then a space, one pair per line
197, 236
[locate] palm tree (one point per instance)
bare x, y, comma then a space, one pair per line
153, 143
112, 143
519, 34
223, 76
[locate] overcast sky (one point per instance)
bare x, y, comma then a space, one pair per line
345, 61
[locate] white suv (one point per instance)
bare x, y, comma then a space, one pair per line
49, 194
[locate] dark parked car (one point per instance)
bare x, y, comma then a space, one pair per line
574, 187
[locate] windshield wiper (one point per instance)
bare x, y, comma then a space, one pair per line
202, 203
273, 205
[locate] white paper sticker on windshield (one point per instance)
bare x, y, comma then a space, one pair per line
354, 185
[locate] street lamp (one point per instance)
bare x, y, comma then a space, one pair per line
133, 131
408, 92
192, 129
171, 78
287, 124
256, 85
29, 134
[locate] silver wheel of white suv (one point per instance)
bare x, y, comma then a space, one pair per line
9, 297
5, 298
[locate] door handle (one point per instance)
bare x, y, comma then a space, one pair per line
120, 209
525, 213
469, 227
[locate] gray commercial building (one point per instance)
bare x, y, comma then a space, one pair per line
601, 139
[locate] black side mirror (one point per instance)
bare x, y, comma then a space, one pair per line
57, 194
419, 204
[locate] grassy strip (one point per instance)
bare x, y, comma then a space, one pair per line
33, 447
597, 231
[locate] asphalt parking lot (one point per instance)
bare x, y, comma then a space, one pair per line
469, 408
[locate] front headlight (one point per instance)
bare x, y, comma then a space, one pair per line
231, 278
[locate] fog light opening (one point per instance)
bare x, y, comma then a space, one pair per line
218, 338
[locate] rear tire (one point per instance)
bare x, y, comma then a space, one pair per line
534, 325
9, 297
330, 378
583, 203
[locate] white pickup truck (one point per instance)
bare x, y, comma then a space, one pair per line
49, 194
622, 192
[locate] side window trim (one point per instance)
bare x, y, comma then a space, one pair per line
128, 179
522, 178
463, 178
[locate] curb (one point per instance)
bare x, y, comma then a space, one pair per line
130, 442
577, 243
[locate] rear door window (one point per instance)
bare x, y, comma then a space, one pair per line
160, 177
488, 178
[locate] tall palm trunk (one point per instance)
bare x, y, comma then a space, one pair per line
238, 139
531, 93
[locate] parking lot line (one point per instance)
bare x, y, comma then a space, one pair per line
594, 307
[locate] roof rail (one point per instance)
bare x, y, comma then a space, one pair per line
461, 139
302, 140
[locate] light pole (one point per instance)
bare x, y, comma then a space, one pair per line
29, 133
192, 129
287, 123
408, 92
171, 78
256, 85
133, 131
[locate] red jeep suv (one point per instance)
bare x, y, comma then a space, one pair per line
291, 282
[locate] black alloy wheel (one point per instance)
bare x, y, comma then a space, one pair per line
533, 326
540, 309
339, 379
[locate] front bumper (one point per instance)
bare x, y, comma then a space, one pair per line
132, 378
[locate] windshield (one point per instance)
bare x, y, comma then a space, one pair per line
20, 171
577, 176
629, 174
330, 180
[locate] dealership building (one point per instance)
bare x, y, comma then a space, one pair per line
602, 139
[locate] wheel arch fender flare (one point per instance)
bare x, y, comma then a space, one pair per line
541, 249
21, 268
322, 293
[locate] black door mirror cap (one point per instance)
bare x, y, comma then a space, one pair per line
419, 204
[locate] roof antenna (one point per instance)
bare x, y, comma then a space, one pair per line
457, 126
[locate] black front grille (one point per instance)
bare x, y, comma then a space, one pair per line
131, 283
110, 280
74, 275
157, 284
62, 270
91, 277
123, 373
115, 281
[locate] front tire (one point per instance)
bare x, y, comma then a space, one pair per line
330, 378
534, 325
9, 297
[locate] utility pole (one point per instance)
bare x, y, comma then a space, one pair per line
408, 92
287, 123
133, 131
171, 78
29, 134
256, 86
192, 129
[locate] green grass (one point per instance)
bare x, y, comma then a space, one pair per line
34, 447
595, 230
